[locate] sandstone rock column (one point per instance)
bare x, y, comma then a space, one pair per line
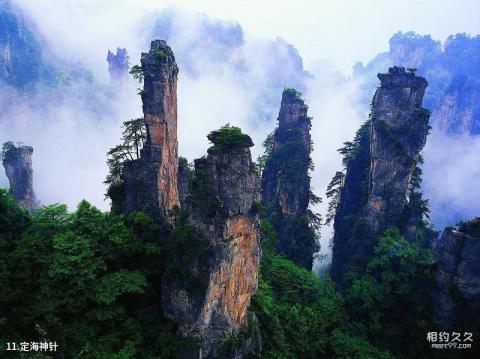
286, 181
17, 161
399, 132
118, 65
211, 303
375, 192
151, 181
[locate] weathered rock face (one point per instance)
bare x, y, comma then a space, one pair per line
457, 298
183, 181
118, 65
375, 195
411, 50
21, 61
398, 133
212, 306
17, 161
151, 181
285, 179
452, 71
348, 223
459, 111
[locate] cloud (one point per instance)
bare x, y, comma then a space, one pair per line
225, 77
451, 173
70, 144
335, 103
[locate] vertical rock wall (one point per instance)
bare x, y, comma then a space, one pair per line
151, 181
214, 309
17, 161
286, 182
397, 134
118, 65
457, 297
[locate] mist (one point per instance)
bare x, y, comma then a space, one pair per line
226, 76
451, 173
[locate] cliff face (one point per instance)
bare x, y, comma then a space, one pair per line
151, 181
118, 65
457, 298
211, 306
286, 182
21, 61
376, 191
183, 181
398, 133
412, 50
17, 162
453, 75
459, 111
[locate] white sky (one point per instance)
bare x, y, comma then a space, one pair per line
340, 31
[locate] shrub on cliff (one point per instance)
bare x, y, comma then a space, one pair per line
472, 227
228, 140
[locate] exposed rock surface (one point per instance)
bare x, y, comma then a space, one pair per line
459, 109
211, 307
183, 181
286, 182
452, 71
398, 133
457, 299
375, 194
118, 65
17, 161
21, 61
151, 181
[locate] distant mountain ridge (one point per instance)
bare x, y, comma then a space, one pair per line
452, 71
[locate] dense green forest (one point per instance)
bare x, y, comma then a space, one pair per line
90, 281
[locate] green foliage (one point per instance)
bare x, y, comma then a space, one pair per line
86, 280
412, 71
355, 150
203, 193
262, 159
471, 227
159, 55
9, 149
300, 314
134, 136
291, 92
347, 346
228, 140
137, 73
187, 250
390, 300
356, 161
334, 189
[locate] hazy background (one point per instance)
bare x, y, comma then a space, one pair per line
234, 58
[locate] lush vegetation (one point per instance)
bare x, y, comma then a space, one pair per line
91, 282
228, 139
134, 136
301, 315
87, 280
390, 301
